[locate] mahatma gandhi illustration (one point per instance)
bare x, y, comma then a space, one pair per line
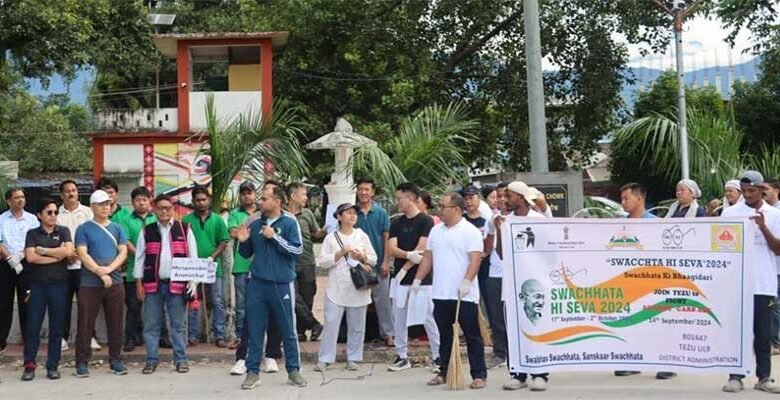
532, 296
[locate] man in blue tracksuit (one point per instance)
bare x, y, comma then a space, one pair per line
275, 243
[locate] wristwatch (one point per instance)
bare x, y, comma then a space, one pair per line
43, 251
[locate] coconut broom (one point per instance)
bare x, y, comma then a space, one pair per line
455, 371
484, 331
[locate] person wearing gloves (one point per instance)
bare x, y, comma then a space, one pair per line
212, 236
687, 205
14, 224
341, 250
274, 240
454, 253
46, 249
102, 248
157, 244
408, 237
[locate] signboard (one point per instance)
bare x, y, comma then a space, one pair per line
557, 196
633, 294
193, 269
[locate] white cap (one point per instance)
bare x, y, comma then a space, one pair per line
536, 194
99, 196
522, 189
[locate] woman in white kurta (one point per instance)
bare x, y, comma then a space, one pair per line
341, 295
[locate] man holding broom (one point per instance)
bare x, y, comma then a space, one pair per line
454, 252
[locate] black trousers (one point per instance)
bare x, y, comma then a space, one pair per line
444, 314
305, 289
134, 329
762, 340
74, 281
11, 283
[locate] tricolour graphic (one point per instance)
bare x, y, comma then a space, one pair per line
631, 294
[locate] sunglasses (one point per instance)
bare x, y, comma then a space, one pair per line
52, 212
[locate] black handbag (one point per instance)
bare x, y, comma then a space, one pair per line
361, 278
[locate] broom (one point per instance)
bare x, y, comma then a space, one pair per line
455, 379
484, 331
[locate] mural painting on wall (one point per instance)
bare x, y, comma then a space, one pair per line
178, 168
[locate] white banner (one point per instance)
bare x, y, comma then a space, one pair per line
193, 269
629, 294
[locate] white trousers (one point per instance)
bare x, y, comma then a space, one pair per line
356, 331
402, 331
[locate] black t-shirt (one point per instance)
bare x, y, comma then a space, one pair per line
481, 224
56, 272
408, 232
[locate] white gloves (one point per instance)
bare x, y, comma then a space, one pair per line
414, 256
400, 275
465, 288
416, 286
15, 261
192, 287
210, 259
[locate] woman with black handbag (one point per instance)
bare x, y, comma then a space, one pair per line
348, 255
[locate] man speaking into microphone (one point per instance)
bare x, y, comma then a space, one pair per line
275, 243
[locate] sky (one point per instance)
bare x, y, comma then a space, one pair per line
703, 46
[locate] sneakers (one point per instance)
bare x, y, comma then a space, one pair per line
733, 386
82, 370
321, 367
399, 364
514, 384
64, 346
538, 384
53, 374
495, 362
436, 368
251, 381
118, 367
767, 385
296, 379
94, 345
269, 366
239, 368
352, 366
29, 372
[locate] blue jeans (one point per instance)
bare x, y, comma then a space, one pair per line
265, 299
154, 318
240, 288
51, 297
214, 302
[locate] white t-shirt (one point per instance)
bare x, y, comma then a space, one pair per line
777, 259
450, 248
764, 261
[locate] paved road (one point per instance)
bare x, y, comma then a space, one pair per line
212, 381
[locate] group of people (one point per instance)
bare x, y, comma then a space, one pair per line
427, 270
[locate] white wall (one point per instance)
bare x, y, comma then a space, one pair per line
227, 104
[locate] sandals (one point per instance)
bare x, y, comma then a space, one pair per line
182, 367
436, 381
149, 369
478, 384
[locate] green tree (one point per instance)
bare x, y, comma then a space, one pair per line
662, 98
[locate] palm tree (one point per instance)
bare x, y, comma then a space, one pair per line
429, 150
256, 148
714, 142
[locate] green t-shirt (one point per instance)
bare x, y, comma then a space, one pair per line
235, 219
120, 214
133, 224
209, 234
309, 227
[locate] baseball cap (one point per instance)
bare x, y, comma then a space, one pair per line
753, 178
246, 185
520, 188
470, 190
344, 207
99, 196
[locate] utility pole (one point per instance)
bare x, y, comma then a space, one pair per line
679, 12
533, 62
